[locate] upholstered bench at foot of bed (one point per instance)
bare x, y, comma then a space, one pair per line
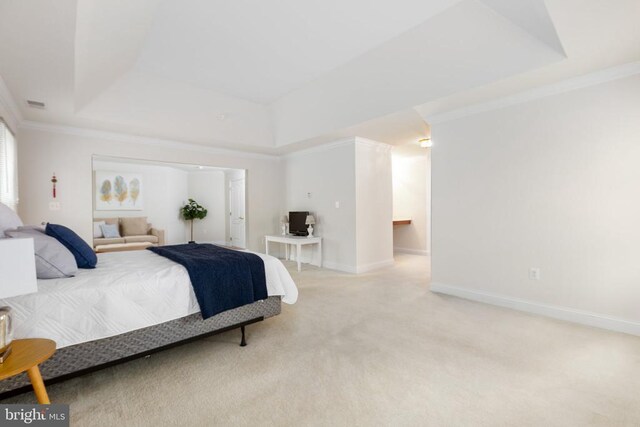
121, 247
83, 357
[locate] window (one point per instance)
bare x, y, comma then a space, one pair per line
8, 167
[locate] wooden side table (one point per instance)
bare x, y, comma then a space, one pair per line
26, 355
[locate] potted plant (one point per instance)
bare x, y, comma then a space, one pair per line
191, 211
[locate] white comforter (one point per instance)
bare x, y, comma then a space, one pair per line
127, 291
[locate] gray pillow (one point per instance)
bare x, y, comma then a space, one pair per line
53, 260
9, 220
97, 231
110, 231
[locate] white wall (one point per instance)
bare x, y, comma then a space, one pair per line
374, 205
355, 173
552, 183
411, 198
329, 175
69, 153
164, 191
208, 189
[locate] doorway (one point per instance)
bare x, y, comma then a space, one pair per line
237, 234
411, 199
162, 189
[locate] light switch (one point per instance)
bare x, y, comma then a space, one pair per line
337, 205
534, 273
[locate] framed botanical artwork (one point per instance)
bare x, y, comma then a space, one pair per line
119, 191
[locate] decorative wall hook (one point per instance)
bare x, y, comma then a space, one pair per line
53, 181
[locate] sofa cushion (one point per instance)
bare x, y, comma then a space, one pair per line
139, 239
83, 253
115, 221
97, 231
110, 231
53, 260
134, 226
105, 241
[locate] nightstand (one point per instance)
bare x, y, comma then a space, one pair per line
26, 355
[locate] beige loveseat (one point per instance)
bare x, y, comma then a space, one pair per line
136, 233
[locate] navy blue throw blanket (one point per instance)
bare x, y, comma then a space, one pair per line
222, 278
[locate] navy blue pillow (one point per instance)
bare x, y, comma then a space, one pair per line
82, 252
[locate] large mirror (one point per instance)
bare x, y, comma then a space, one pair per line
139, 203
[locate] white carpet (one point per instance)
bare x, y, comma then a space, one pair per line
374, 349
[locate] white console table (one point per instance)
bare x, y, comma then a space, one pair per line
298, 241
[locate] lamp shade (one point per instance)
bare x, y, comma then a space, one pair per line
285, 219
310, 220
17, 267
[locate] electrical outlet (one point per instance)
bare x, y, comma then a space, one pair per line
534, 273
308, 195
54, 206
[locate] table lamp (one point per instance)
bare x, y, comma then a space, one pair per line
310, 221
18, 277
284, 222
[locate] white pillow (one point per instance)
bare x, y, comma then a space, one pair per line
97, 230
9, 220
53, 260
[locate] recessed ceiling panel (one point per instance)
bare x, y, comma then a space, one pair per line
261, 50
465, 46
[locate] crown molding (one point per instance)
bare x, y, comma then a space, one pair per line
10, 106
320, 148
592, 79
179, 145
374, 144
141, 140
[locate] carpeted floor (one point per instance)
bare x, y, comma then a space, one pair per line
374, 349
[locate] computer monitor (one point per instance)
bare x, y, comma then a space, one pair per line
297, 225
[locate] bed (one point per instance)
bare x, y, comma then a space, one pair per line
131, 305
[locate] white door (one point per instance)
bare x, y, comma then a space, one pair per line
237, 214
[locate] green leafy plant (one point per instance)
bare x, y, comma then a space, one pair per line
191, 211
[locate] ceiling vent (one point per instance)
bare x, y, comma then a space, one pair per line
35, 104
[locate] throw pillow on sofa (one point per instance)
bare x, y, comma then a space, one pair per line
53, 260
84, 255
110, 231
97, 231
135, 226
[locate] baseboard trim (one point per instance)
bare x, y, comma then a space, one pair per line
556, 312
357, 269
339, 267
411, 251
374, 266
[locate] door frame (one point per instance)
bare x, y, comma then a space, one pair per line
229, 190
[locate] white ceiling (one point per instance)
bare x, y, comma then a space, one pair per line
272, 76
261, 50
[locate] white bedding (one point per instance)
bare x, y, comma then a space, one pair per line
125, 292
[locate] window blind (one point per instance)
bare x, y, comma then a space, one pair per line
8, 167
